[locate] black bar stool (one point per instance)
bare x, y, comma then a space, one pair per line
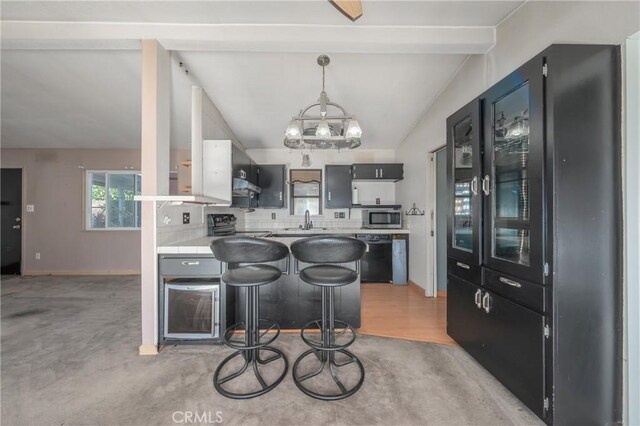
325, 252
242, 250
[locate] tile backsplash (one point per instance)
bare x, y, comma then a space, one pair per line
170, 228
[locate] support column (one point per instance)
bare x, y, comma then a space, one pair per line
156, 114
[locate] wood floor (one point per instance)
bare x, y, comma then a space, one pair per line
403, 312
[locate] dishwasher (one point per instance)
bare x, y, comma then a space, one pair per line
376, 265
386, 259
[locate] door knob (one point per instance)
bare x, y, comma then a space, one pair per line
16, 227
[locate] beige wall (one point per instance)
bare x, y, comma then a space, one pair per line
527, 32
54, 181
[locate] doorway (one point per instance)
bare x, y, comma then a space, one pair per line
11, 221
440, 236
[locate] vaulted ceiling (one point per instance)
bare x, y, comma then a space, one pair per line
71, 70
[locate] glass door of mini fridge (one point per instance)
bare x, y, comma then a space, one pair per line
512, 184
463, 176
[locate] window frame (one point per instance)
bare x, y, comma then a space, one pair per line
87, 200
292, 197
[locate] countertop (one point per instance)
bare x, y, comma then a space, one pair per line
201, 245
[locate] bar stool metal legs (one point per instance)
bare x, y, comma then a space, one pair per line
326, 349
250, 349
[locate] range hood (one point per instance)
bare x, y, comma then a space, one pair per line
244, 188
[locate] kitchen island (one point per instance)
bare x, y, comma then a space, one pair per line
289, 301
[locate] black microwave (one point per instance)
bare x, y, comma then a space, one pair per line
380, 218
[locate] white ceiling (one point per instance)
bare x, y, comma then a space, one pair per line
376, 12
258, 93
91, 98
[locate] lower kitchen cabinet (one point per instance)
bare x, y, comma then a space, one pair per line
465, 320
506, 338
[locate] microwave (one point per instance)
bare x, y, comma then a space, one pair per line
380, 218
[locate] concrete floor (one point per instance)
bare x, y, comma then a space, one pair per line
70, 356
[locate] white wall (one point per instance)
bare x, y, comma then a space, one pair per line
528, 31
368, 191
632, 230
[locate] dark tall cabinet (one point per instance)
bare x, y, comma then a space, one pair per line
271, 179
338, 186
534, 276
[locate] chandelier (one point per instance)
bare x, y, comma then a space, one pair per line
323, 125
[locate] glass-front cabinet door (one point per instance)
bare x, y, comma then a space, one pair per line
464, 174
512, 184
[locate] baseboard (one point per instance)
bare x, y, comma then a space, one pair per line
83, 272
148, 350
442, 293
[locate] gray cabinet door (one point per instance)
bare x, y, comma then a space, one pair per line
338, 186
271, 179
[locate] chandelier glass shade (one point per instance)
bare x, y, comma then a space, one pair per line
323, 125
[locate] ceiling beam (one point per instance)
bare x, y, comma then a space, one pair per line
250, 37
352, 9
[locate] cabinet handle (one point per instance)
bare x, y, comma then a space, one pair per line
462, 265
474, 185
381, 173
280, 195
329, 195
477, 298
485, 184
486, 302
512, 283
376, 173
190, 262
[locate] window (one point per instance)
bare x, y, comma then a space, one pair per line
110, 203
306, 190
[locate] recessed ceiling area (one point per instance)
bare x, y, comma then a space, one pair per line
70, 96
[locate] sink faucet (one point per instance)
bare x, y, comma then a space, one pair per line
307, 220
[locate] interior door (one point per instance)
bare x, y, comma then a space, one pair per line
512, 184
463, 175
11, 214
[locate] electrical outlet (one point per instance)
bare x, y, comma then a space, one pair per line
37, 256
341, 215
186, 218
336, 215
273, 216
30, 208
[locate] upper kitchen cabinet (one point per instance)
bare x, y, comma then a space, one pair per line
338, 186
464, 173
390, 172
271, 180
513, 169
228, 173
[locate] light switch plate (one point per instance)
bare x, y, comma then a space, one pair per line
30, 208
186, 218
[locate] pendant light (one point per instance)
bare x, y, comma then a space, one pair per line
324, 124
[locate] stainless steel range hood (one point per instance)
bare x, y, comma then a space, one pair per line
244, 188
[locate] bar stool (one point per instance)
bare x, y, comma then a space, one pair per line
236, 252
324, 253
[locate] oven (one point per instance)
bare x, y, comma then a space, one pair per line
191, 308
382, 219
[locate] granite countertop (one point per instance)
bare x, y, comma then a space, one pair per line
201, 245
